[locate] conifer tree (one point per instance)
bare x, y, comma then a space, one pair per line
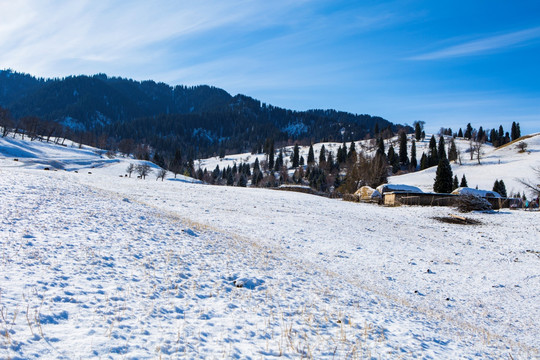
242, 181
376, 130
311, 156
481, 135
322, 156
414, 162
271, 156
279, 161
256, 166
514, 131
330, 162
452, 152
230, 177
468, 131
455, 183
341, 157
302, 161
403, 158
443, 177
441, 152
393, 160
296, 156
463, 182
424, 162
460, 133
380, 144
500, 188
417, 131
433, 157
352, 151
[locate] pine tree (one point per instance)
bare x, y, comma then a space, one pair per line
500, 188
256, 166
414, 162
403, 158
341, 157
393, 159
468, 131
452, 152
463, 182
311, 156
352, 151
330, 165
230, 178
296, 156
380, 144
322, 156
441, 152
443, 177
242, 181
433, 157
424, 162
455, 183
417, 131
460, 133
481, 135
514, 131
279, 161
271, 156
494, 137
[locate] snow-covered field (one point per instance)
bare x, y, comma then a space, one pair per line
93, 265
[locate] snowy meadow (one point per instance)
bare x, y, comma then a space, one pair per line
94, 265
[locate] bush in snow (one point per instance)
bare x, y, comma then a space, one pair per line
468, 203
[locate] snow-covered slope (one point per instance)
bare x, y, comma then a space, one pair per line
506, 163
98, 266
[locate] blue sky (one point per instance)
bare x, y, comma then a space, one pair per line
443, 62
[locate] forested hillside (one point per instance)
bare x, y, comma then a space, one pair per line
199, 120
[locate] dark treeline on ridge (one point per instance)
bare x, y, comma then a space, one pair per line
200, 121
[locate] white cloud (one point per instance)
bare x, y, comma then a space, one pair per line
48, 38
491, 43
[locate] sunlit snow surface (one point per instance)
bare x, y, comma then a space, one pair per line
95, 265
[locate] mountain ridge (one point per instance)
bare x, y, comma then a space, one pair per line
169, 117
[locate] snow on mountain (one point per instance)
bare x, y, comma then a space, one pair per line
97, 266
506, 163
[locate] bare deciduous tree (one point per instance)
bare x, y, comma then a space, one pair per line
533, 185
476, 147
130, 169
161, 174
143, 170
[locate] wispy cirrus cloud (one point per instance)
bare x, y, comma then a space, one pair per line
484, 45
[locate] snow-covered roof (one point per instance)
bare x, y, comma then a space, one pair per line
384, 188
476, 192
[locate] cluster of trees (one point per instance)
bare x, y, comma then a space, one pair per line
497, 137
120, 114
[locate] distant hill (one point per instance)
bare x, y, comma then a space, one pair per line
203, 120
